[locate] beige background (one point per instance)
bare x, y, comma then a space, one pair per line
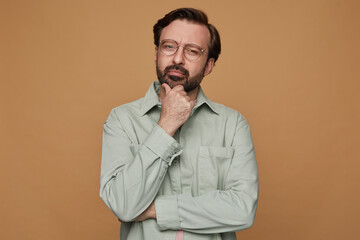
291, 68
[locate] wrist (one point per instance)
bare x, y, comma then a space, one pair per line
152, 212
153, 215
168, 129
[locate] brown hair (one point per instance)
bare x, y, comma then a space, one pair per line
191, 15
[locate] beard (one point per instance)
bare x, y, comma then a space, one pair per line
189, 83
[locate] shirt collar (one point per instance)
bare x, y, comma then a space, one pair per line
151, 99
202, 99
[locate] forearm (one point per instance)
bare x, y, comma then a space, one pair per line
213, 212
130, 190
129, 183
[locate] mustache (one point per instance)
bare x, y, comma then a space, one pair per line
177, 68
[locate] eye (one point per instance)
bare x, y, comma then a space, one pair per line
193, 51
168, 46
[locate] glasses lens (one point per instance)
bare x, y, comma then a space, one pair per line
168, 47
192, 52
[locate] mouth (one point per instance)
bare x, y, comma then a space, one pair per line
176, 73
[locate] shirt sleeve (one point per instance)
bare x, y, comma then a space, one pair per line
217, 211
131, 174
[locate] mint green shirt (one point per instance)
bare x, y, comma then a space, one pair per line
204, 180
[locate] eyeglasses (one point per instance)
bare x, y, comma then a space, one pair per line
192, 52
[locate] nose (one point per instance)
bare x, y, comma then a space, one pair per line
179, 57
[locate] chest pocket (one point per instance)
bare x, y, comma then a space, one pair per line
214, 163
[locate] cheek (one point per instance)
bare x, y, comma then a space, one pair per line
195, 70
161, 64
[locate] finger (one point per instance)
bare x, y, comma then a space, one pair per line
182, 93
178, 88
167, 88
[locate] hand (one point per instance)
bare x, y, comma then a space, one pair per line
150, 212
175, 109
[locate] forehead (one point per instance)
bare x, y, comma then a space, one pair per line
185, 32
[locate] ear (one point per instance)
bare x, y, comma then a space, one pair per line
209, 66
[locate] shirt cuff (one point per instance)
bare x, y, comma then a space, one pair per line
167, 212
163, 145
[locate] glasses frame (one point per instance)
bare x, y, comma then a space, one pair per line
184, 47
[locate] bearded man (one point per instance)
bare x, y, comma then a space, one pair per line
176, 165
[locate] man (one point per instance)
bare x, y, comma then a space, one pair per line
176, 165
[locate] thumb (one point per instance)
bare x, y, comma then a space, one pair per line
193, 103
166, 87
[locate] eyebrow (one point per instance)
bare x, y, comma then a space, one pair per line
194, 44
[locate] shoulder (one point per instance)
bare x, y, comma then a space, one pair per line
229, 113
127, 109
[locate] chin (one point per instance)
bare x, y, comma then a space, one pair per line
172, 82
